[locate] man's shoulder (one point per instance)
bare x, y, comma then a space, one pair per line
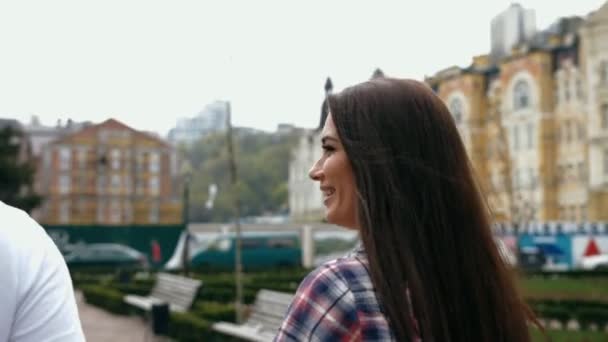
17, 226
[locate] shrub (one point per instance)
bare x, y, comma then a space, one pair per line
106, 298
589, 315
214, 311
186, 327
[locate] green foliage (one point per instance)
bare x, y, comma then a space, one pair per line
186, 327
564, 287
106, 298
569, 336
215, 311
262, 167
16, 176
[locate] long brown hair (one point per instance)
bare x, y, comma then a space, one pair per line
423, 221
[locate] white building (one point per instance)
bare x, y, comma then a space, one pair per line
594, 48
305, 197
211, 119
513, 26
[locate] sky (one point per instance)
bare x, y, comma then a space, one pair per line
148, 63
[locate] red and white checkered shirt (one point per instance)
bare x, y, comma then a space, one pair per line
337, 302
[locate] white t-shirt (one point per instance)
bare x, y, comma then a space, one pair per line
36, 296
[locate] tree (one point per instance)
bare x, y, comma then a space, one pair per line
262, 161
16, 174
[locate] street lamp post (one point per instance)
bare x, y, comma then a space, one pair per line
237, 211
185, 219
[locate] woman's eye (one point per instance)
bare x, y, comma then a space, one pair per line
328, 148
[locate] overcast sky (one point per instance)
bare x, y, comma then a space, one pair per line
150, 62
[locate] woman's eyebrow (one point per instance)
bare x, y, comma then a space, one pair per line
327, 137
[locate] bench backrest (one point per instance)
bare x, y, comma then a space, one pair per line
269, 309
178, 291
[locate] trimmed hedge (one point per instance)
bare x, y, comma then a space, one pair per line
214, 311
106, 298
585, 312
188, 327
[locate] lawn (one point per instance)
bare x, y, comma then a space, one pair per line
571, 336
565, 288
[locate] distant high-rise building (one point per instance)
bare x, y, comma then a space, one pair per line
211, 119
513, 26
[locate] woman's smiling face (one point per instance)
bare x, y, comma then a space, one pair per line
334, 173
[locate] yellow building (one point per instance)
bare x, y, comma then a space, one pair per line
108, 174
535, 122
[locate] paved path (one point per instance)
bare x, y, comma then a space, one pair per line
101, 326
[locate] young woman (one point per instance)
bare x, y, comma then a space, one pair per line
395, 169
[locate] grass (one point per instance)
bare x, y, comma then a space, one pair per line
565, 288
570, 336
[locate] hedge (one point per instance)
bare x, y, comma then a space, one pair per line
584, 311
106, 298
214, 311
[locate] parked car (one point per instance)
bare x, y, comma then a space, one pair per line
106, 255
259, 250
595, 262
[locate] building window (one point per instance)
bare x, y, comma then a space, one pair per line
82, 158
64, 211
140, 157
154, 213
101, 184
567, 134
605, 162
583, 213
64, 184
521, 95
579, 88
531, 178
604, 114
581, 131
127, 184
153, 185
115, 212
516, 179
456, 109
101, 212
582, 174
604, 72
115, 182
154, 162
516, 138
530, 128
115, 159
65, 158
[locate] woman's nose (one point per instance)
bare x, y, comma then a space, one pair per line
315, 172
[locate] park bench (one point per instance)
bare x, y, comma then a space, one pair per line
177, 291
264, 320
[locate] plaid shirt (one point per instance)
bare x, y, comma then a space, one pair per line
337, 302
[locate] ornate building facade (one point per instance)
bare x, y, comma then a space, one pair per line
535, 122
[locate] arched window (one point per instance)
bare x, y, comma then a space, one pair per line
521, 95
455, 107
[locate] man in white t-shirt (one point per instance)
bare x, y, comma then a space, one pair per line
36, 296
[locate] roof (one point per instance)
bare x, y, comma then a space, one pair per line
12, 123
110, 123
